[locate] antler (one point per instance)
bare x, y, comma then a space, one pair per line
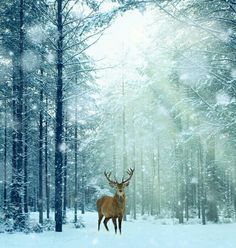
107, 175
130, 172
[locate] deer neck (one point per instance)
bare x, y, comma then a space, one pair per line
120, 199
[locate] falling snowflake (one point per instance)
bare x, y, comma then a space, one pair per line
30, 61
62, 147
233, 73
194, 180
222, 98
36, 34
95, 241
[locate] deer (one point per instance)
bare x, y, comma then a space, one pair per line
113, 207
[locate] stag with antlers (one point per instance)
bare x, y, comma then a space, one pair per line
113, 207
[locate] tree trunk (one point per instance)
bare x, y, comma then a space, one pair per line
5, 202
134, 176
14, 160
59, 122
180, 181
153, 183
83, 184
187, 183
142, 183
25, 154
124, 135
76, 165
114, 153
202, 184
211, 171
40, 194
158, 179
198, 184
47, 188
65, 174
17, 185
234, 185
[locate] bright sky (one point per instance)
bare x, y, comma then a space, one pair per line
126, 31
122, 42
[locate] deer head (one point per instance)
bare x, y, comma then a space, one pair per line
119, 187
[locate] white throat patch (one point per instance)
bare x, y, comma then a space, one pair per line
121, 194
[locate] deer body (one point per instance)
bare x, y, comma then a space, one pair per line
110, 206
113, 207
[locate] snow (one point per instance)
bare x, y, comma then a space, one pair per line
225, 36
63, 147
192, 68
30, 61
36, 34
50, 133
233, 73
194, 180
50, 57
222, 98
142, 233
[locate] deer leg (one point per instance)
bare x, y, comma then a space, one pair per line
114, 223
100, 216
120, 221
105, 222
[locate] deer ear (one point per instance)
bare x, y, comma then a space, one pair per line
126, 184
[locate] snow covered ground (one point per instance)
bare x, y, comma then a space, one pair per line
147, 233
